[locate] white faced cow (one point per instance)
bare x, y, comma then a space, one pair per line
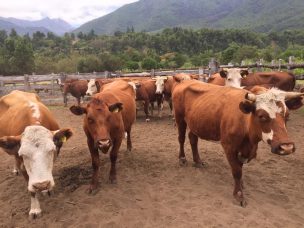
29, 132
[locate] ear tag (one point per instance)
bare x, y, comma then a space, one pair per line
116, 110
63, 139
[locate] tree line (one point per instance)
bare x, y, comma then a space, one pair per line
131, 51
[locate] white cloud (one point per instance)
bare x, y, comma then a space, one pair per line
75, 12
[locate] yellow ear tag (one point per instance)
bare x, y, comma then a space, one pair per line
63, 139
116, 110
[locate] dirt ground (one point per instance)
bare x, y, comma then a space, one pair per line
154, 191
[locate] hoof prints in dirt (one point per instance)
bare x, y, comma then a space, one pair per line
72, 178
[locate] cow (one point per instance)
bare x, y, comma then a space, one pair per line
239, 119
165, 85
281, 80
146, 92
77, 88
30, 133
107, 116
229, 77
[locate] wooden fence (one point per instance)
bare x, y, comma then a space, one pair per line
48, 88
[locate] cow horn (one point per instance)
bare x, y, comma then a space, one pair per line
290, 95
250, 97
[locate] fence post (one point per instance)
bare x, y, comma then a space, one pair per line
213, 66
27, 83
152, 73
290, 62
53, 85
280, 63
2, 87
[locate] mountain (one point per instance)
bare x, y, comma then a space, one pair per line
45, 25
154, 15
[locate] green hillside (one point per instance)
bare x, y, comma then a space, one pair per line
153, 15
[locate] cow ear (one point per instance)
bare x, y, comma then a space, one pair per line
177, 79
137, 85
223, 73
10, 143
98, 86
244, 73
117, 107
60, 137
247, 107
295, 103
78, 110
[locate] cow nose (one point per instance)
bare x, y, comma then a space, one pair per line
88, 94
104, 142
41, 186
286, 148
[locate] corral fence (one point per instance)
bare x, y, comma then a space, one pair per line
49, 89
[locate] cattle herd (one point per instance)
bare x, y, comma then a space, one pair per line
237, 108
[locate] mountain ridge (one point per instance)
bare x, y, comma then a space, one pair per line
153, 15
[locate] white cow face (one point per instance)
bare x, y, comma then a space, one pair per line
38, 148
160, 84
233, 77
92, 89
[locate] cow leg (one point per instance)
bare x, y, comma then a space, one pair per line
181, 125
35, 210
160, 107
65, 100
236, 167
17, 164
78, 101
146, 109
152, 107
129, 143
113, 158
196, 158
95, 164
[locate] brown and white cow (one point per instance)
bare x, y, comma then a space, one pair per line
30, 133
229, 77
237, 118
165, 85
107, 116
281, 80
77, 88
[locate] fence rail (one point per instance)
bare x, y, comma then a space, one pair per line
48, 84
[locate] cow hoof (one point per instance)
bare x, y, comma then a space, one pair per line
147, 120
112, 181
34, 214
129, 150
200, 165
92, 190
182, 161
243, 203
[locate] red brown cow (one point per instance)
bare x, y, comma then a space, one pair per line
281, 80
146, 92
236, 118
165, 85
108, 115
30, 133
77, 88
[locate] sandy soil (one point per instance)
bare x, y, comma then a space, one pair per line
154, 191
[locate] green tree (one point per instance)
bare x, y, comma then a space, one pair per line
149, 63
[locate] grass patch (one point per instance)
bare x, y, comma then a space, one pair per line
300, 82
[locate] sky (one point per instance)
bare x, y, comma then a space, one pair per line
75, 12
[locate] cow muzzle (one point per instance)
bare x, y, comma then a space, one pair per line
41, 186
284, 149
104, 145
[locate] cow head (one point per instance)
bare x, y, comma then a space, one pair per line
92, 88
100, 120
160, 84
233, 77
269, 110
38, 148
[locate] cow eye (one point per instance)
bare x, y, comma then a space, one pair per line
229, 79
263, 118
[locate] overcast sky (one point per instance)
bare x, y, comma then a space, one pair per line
75, 12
